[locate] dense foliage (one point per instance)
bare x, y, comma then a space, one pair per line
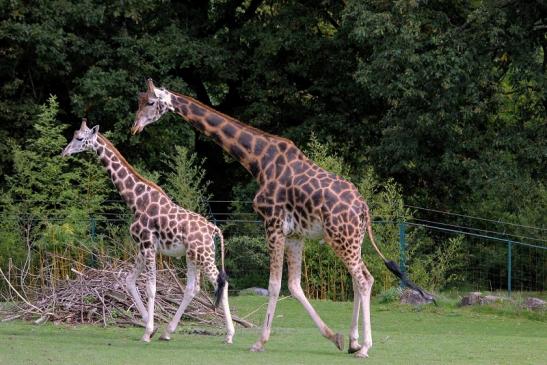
49, 201
441, 102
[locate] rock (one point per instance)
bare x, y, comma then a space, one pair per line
472, 298
489, 299
534, 303
254, 291
410, 296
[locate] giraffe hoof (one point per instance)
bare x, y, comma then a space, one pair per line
165, 337
353, 346
353, 349
257, 347
362, 353
228, 340
339, 341
147, 337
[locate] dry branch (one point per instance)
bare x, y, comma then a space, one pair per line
99, 296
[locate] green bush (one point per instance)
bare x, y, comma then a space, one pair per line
441, 268
324, 275
247, 262
390, 295
386, 204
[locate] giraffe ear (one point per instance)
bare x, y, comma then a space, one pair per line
95, 129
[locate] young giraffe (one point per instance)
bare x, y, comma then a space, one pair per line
296, 199
159, 226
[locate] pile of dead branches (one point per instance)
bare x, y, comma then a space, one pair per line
99, 296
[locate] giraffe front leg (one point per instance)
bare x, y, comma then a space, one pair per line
276, 243
192, 288
150, 264
130, 282
294, 261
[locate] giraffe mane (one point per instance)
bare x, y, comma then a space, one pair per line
129, 166
233, 120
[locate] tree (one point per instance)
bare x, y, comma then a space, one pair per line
49, 200
185, 181
440, 70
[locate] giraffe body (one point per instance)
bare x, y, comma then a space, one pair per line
159, 226
296, 199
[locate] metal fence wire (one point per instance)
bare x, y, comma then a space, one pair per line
473, 257
490, 261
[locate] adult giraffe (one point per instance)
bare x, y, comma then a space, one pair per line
297, 199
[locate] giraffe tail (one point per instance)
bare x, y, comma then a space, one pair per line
391, 265
222, 278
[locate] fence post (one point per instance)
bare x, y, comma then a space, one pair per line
402, 249
509, 254
93, 226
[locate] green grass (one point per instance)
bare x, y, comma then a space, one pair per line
401, 334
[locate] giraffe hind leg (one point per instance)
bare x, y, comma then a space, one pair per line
213, 275
192, 289
363, 282
230, 330
150, 264
354, 329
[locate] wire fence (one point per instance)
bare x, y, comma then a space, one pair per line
489, 259
492, 262
472, 256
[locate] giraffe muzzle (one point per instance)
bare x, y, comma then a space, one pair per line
65, 152
136, 129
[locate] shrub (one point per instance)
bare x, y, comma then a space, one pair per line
390, 295
247, 262
441, 268
386, 204
324, 275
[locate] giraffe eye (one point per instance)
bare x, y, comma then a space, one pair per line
79, 139
150, 103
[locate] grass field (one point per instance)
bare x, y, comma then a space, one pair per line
402, 335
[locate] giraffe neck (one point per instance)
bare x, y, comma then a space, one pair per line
252, 148
122, 174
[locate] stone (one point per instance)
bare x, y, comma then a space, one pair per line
412, 297
489, 299
472, 298
254, 291
534, 303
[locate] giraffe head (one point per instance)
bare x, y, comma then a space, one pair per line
83, 139
152, 105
